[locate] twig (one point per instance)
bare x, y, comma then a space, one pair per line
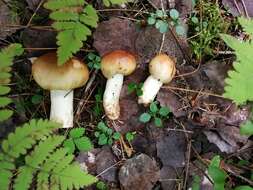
193, 91
245, 9
35, 12
163, 36
237, 7
109, 168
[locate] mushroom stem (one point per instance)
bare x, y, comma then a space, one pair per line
62, 107
150, 89
111, 96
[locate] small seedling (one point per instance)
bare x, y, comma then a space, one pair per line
77, 141
160, 20
94, 61
134, 87
130, 136
159, 114
101, 186
106, 135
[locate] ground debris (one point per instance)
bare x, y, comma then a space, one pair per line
140, 172
236, 8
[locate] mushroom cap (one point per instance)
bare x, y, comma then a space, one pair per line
118, 62
162, 67
50, 76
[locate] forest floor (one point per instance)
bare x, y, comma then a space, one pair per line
201, 123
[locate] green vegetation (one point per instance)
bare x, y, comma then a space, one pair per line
6, 60
45, 159
206, 24
160, 20
159, 114
94, 61
77, 141
133, 87
105, 135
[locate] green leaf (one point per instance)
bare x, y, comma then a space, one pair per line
217, 174
164, 111
162, 26
83, 144
158, 122
4, 101
195, 20
247, 24
244, 187
116, 136
102, 140
151, 20
145, 117
246, 128
130, 136
5, 114
131, 87
4, 90
101, 186
238, 83
77, 132
69, 145
153, 107
196, 183
180, 30
174, 14
159, 13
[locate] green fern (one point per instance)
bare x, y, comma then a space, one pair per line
73, 22
108, 2
6, 60
239, 81
52, 165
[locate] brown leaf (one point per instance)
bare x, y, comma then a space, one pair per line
115, 34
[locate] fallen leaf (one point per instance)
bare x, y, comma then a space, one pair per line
115, 34
140, 172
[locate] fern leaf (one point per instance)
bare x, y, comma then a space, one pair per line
43, 150
25, 137
64, 16
35, 159
72, 25
6, 60
60, 4
247, 24
239, 82
73, 177
5, 176
107, 3
24, 178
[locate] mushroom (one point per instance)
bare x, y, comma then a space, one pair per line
162, 70
115, 66
60, 80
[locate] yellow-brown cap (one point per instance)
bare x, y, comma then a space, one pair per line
162, 67
118, 62
50, 76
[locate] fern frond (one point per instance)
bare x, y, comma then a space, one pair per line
25, 137
239, 81
6, 60
247, 25
72, 25
113, 2
53, 166
33, 161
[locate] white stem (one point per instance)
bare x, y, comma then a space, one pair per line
150, 89
62, 107
111, 96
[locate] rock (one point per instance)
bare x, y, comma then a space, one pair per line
168, 176
104, 162
140, 172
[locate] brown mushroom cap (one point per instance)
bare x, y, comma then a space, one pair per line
162, 67
50, 76
118, 62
